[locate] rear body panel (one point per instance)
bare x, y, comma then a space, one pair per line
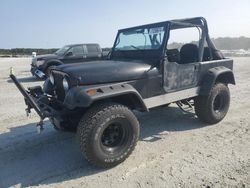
205, 66
184, 76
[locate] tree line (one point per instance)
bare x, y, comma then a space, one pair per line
222, 43
26, 51
228, 43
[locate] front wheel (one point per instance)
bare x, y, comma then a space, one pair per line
108, 134
213, 107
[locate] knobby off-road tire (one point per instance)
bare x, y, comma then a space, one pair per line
108, 134
213, 107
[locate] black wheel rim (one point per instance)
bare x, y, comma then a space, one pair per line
116, 136
218, 103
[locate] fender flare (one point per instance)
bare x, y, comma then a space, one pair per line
216, 74
78, 96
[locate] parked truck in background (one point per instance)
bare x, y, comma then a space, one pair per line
74, 53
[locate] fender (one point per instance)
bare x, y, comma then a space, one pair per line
216, 74
122, 92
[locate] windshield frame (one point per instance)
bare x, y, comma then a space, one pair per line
144, 53
61, 54
155, 25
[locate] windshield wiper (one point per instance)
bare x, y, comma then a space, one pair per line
135, 47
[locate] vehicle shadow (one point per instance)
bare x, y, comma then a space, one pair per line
26, 79
30, 159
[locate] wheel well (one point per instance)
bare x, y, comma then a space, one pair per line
226, 77
130, 100
52, 63
209, 80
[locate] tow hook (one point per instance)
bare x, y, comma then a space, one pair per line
27, 110
39, 126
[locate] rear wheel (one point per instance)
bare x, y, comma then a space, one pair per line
213, 107
108, 134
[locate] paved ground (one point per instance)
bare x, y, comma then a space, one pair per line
175, 149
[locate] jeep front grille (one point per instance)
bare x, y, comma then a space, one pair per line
58, 82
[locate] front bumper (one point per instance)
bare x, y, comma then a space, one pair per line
35, 71
34, 97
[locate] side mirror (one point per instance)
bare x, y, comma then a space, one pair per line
68, 54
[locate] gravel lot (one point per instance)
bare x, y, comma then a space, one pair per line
175, 149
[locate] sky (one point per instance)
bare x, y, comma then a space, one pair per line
54, 23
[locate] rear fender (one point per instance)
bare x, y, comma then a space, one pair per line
121, 93
214, 75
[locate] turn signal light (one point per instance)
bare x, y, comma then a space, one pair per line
91, 91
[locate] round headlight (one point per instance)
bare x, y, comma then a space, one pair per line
65, 84
51, 78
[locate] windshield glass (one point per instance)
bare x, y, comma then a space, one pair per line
62, 50
145, 38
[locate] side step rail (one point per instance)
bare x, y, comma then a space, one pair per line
185, 106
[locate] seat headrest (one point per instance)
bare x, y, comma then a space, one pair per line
189, 53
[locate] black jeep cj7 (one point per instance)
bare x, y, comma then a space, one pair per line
144, 71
